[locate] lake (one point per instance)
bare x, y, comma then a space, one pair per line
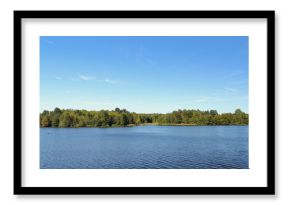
145, 147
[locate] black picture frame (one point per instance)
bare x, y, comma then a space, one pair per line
268, 190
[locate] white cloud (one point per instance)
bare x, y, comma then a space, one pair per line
58, 78
107, 80
85, 77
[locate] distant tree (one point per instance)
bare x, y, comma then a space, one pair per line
45, 121
57, 110
238, 111
55, 120
117, 109
118, 117
213, 112
124, 119
64, 120
138, 120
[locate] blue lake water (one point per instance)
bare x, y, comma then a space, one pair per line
145, 147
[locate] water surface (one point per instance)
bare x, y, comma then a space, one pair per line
145, 147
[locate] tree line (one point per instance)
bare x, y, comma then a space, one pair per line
122, 117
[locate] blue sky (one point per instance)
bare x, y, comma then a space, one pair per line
150, 74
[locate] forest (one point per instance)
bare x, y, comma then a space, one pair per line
122, 118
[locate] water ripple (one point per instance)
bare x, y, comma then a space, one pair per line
144, 147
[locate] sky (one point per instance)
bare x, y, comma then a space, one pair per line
144, 74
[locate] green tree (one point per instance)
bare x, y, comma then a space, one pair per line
55, 120
45, 121
124, 119
238, 111
118, 117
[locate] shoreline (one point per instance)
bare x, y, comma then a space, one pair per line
152, 124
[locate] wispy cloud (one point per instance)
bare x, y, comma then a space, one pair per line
109, 81
82, 77
233, 90
85, 77
235, 73
239, 82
